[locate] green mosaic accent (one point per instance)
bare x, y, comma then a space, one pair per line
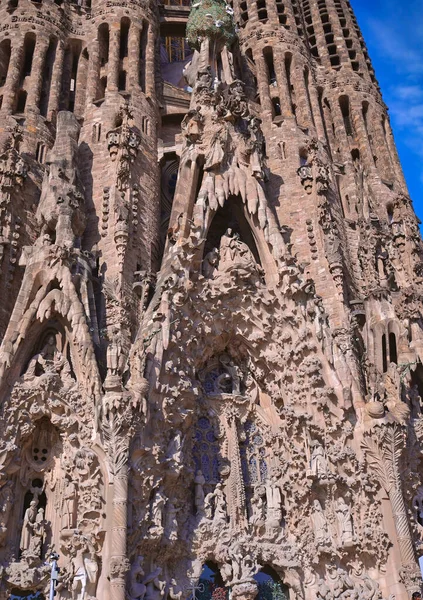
209, 18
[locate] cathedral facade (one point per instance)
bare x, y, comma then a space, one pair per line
211, 320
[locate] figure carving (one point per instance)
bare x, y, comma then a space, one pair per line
85, 569
157, 511
69, 504
274, 504
210, 263
343, 513
319, 523
48, 362
318, 462
28, 525
237, 258
199, 492
6, 504
215, 506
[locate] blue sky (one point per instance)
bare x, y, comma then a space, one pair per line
393, 31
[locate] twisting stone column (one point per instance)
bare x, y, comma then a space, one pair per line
116, 434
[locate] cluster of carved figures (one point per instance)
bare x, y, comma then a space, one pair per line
233, 441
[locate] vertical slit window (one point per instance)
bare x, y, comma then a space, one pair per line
124, 37
142, 56
29, 47
384, 354
393, 354
344, 103
271, 74
5, 51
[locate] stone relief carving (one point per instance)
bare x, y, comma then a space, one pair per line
226, 415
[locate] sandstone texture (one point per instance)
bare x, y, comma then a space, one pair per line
211, 317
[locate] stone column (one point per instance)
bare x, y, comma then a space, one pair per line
361, 132
283, 86
66, 79
93, 72
81, 86
134, 42
13, 76
315, 107
394, 156
289, 11
119, 531
114, 60
150, 67
262, 83
304, 117
56, 82
236, 489
341, 135
36, 80
339, 39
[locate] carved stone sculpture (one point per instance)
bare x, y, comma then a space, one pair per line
211, 322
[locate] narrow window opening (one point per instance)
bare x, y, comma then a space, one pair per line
5, 52
29, 47
344, 103
393, 355
21, 103
276, 107
122, 81
271, 74
124, 37
384, 354
142, 56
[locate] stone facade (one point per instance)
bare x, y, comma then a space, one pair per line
211, 326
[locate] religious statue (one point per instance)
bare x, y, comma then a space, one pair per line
50, 361
217, 500
210, 263
6, 504
319, 523
235, 256
171, 526
137, 588
28, 525
343, 514
199, 482
274, 504
115, 353
157, 508
155, 587
85, 569
37, 536
318, 462
174, 451
69, 505
231, 372
258, 506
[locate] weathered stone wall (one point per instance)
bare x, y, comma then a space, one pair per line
211, 326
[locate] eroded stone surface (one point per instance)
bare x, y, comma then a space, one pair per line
211, 326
